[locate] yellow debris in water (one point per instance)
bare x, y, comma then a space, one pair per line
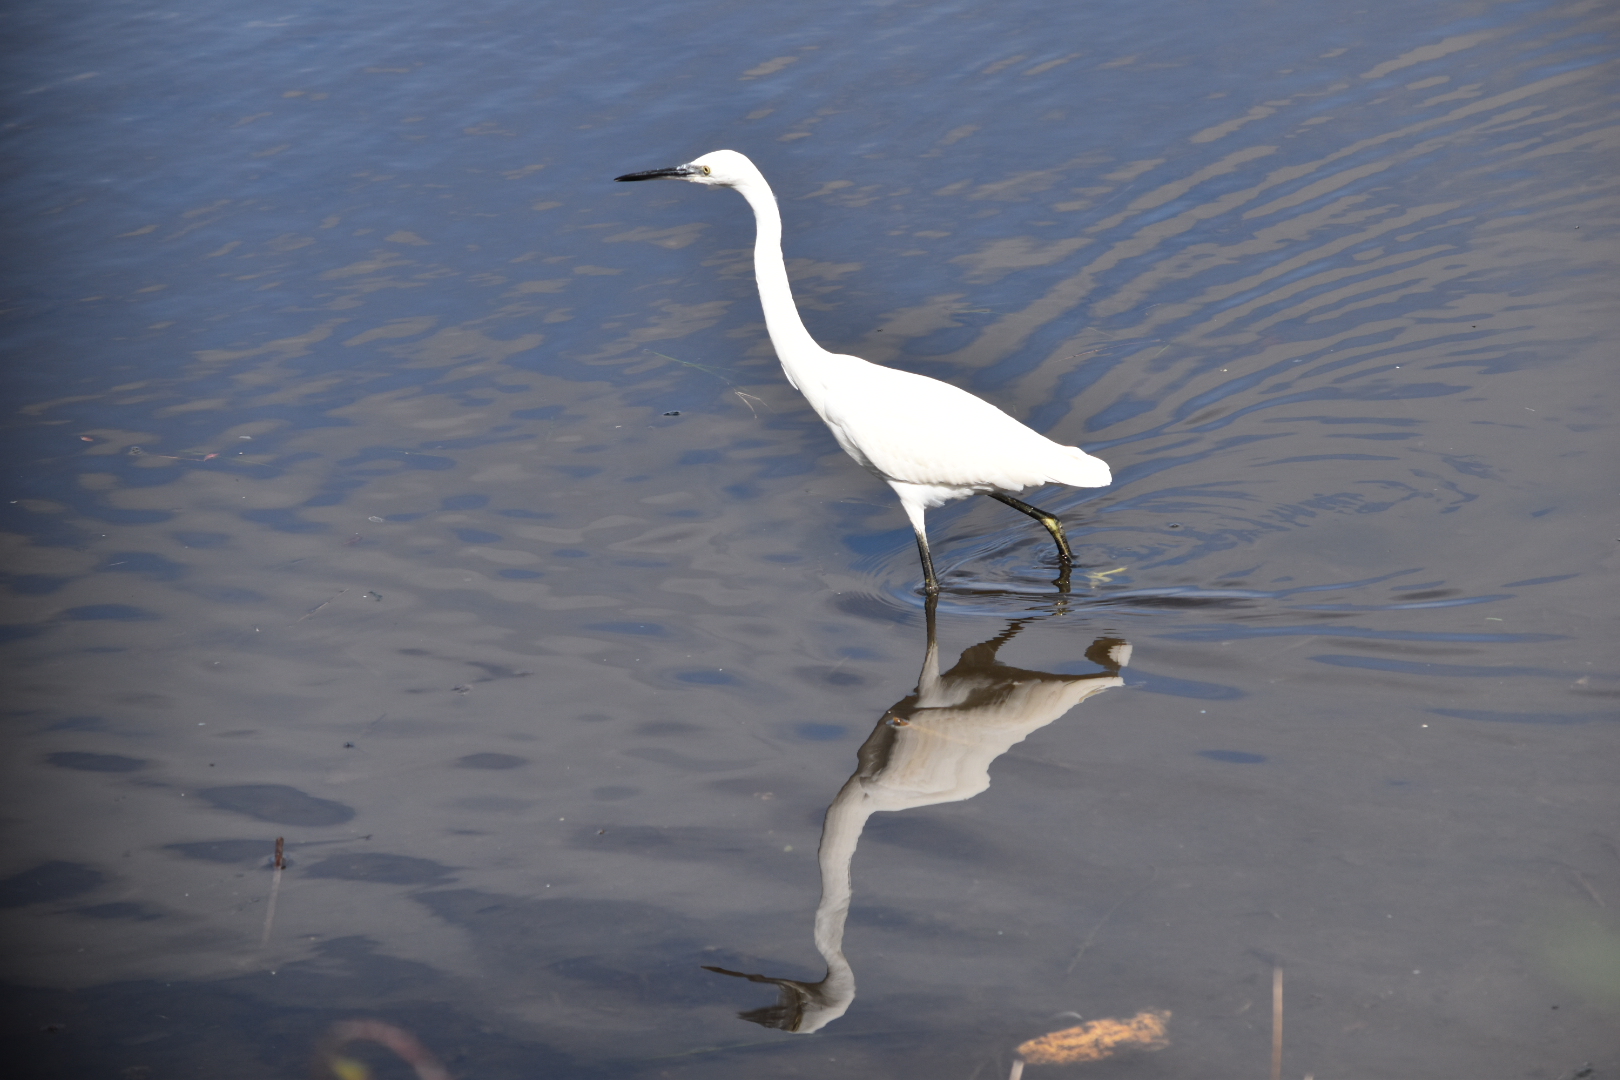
1098, 1039
346, 1068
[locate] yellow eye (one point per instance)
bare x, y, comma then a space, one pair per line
707, 171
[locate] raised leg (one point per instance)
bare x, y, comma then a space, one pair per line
1053, 525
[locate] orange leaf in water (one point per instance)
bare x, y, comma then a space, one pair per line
1098, 1039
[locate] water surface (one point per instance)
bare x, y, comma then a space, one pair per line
385, 479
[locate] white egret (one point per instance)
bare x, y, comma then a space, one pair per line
930, 441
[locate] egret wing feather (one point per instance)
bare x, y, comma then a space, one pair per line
919, 430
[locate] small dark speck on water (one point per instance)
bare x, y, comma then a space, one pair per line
674, 413
1173, 525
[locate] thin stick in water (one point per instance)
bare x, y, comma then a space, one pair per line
275, 888
1276, 1021
1086, 944
318, 607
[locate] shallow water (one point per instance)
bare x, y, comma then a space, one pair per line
387, 480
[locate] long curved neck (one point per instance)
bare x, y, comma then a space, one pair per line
782, 320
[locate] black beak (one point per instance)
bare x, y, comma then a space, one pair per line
676, 173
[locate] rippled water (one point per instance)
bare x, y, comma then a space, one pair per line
385, 479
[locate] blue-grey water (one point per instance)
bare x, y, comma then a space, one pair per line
383, 478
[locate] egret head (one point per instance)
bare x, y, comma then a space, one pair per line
722, 168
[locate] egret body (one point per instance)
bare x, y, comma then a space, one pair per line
930, 441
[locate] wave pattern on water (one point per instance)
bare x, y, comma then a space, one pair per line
388, 475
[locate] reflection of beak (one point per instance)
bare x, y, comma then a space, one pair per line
800, 1007
679, 172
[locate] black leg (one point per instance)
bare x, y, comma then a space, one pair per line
930, 582
1053, 526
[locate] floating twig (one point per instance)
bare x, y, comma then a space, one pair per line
688, 363
749, 399
136, 451
746, 399
318, 607
1086, 944
1114, 345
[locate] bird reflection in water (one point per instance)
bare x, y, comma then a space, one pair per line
934, 746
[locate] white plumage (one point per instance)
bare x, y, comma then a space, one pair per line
931, 441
